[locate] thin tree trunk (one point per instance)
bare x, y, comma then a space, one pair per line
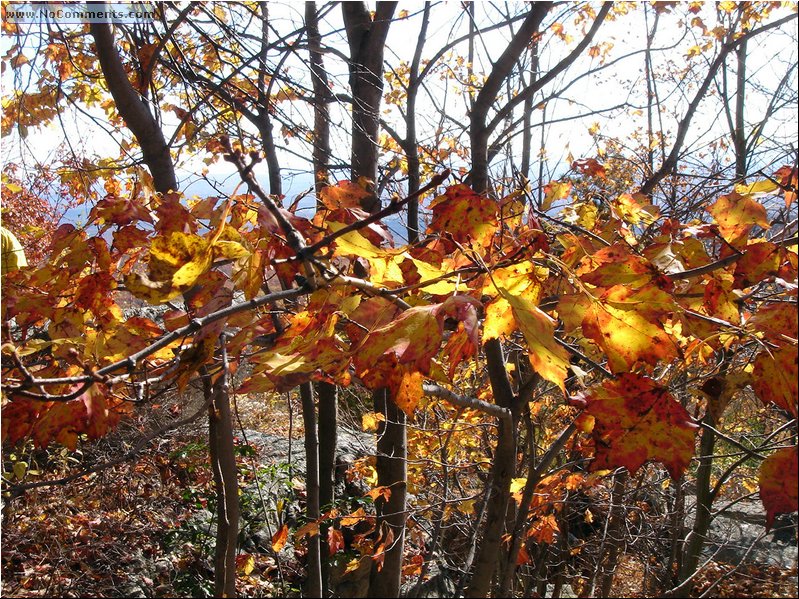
313, 582
326, 393
696, 538
503, 469
367, 38
264, 121
392, 472
614, 538
223, 464
740, 100
410, 142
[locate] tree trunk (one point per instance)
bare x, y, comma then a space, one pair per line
696, 538
263, 120
223, 464
134, 111
392, 472
410, 143
367, 38
326, 393
503, 469
614, 535
313, 581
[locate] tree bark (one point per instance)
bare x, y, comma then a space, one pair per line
503, 469
410, 142
392, 472
367, 39
479, 130
313, 581
134, 111
696, 538
327, 394
223, 464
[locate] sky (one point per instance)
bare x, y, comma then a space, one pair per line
617, 83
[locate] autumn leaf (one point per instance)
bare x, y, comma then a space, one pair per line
335, 541
370, 421
547, 357
615, 265
737, 215
638, 421
245, 563
465, 215
354, 518
779, 487
410, 341
408, 392
775, 377
590, 167
553, 192
279, 538
344, 194
625, 323
311, 529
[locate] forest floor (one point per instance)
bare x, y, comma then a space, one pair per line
132, 530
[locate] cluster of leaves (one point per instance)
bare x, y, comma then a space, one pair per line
649, 298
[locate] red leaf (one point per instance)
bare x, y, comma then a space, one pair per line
638, 421
335, 540
779, 485
589, 166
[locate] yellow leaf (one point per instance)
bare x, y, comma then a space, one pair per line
764, 186
548, 358
466, 507
371, 421
517, 484
555, 191
187, 275
245, 563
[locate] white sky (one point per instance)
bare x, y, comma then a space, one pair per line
769, 55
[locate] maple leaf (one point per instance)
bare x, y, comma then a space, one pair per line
554, 191
779, 484
761, 260
638, 421
547, 357
412, 340
615, 265
590, 167
776, 320
775, 377
344, 194
737, 215
625, 323
465, 215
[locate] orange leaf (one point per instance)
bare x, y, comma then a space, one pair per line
344, 194
736, 215
465, 215
625, 323
279, 538
638, 421
308, 530
778, 484
383, 492
590, 167
335, 540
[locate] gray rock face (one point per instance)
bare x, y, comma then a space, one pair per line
738, 534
